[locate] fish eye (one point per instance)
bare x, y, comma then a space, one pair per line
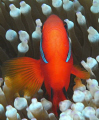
41, 27
65, 25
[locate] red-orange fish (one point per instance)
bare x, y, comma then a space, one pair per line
54, 67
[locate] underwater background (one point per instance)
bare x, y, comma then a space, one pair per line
20, 34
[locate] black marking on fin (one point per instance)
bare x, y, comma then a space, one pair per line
58, 111
51, 94
65, 93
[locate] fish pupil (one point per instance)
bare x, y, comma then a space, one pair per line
42, 27
65, 25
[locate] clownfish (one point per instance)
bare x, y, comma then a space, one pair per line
53, 68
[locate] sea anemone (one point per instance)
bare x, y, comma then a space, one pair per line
86, 102
20, 34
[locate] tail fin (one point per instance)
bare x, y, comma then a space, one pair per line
23, 73
80, 73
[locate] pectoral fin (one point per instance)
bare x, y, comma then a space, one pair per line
80, 73
23, 73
